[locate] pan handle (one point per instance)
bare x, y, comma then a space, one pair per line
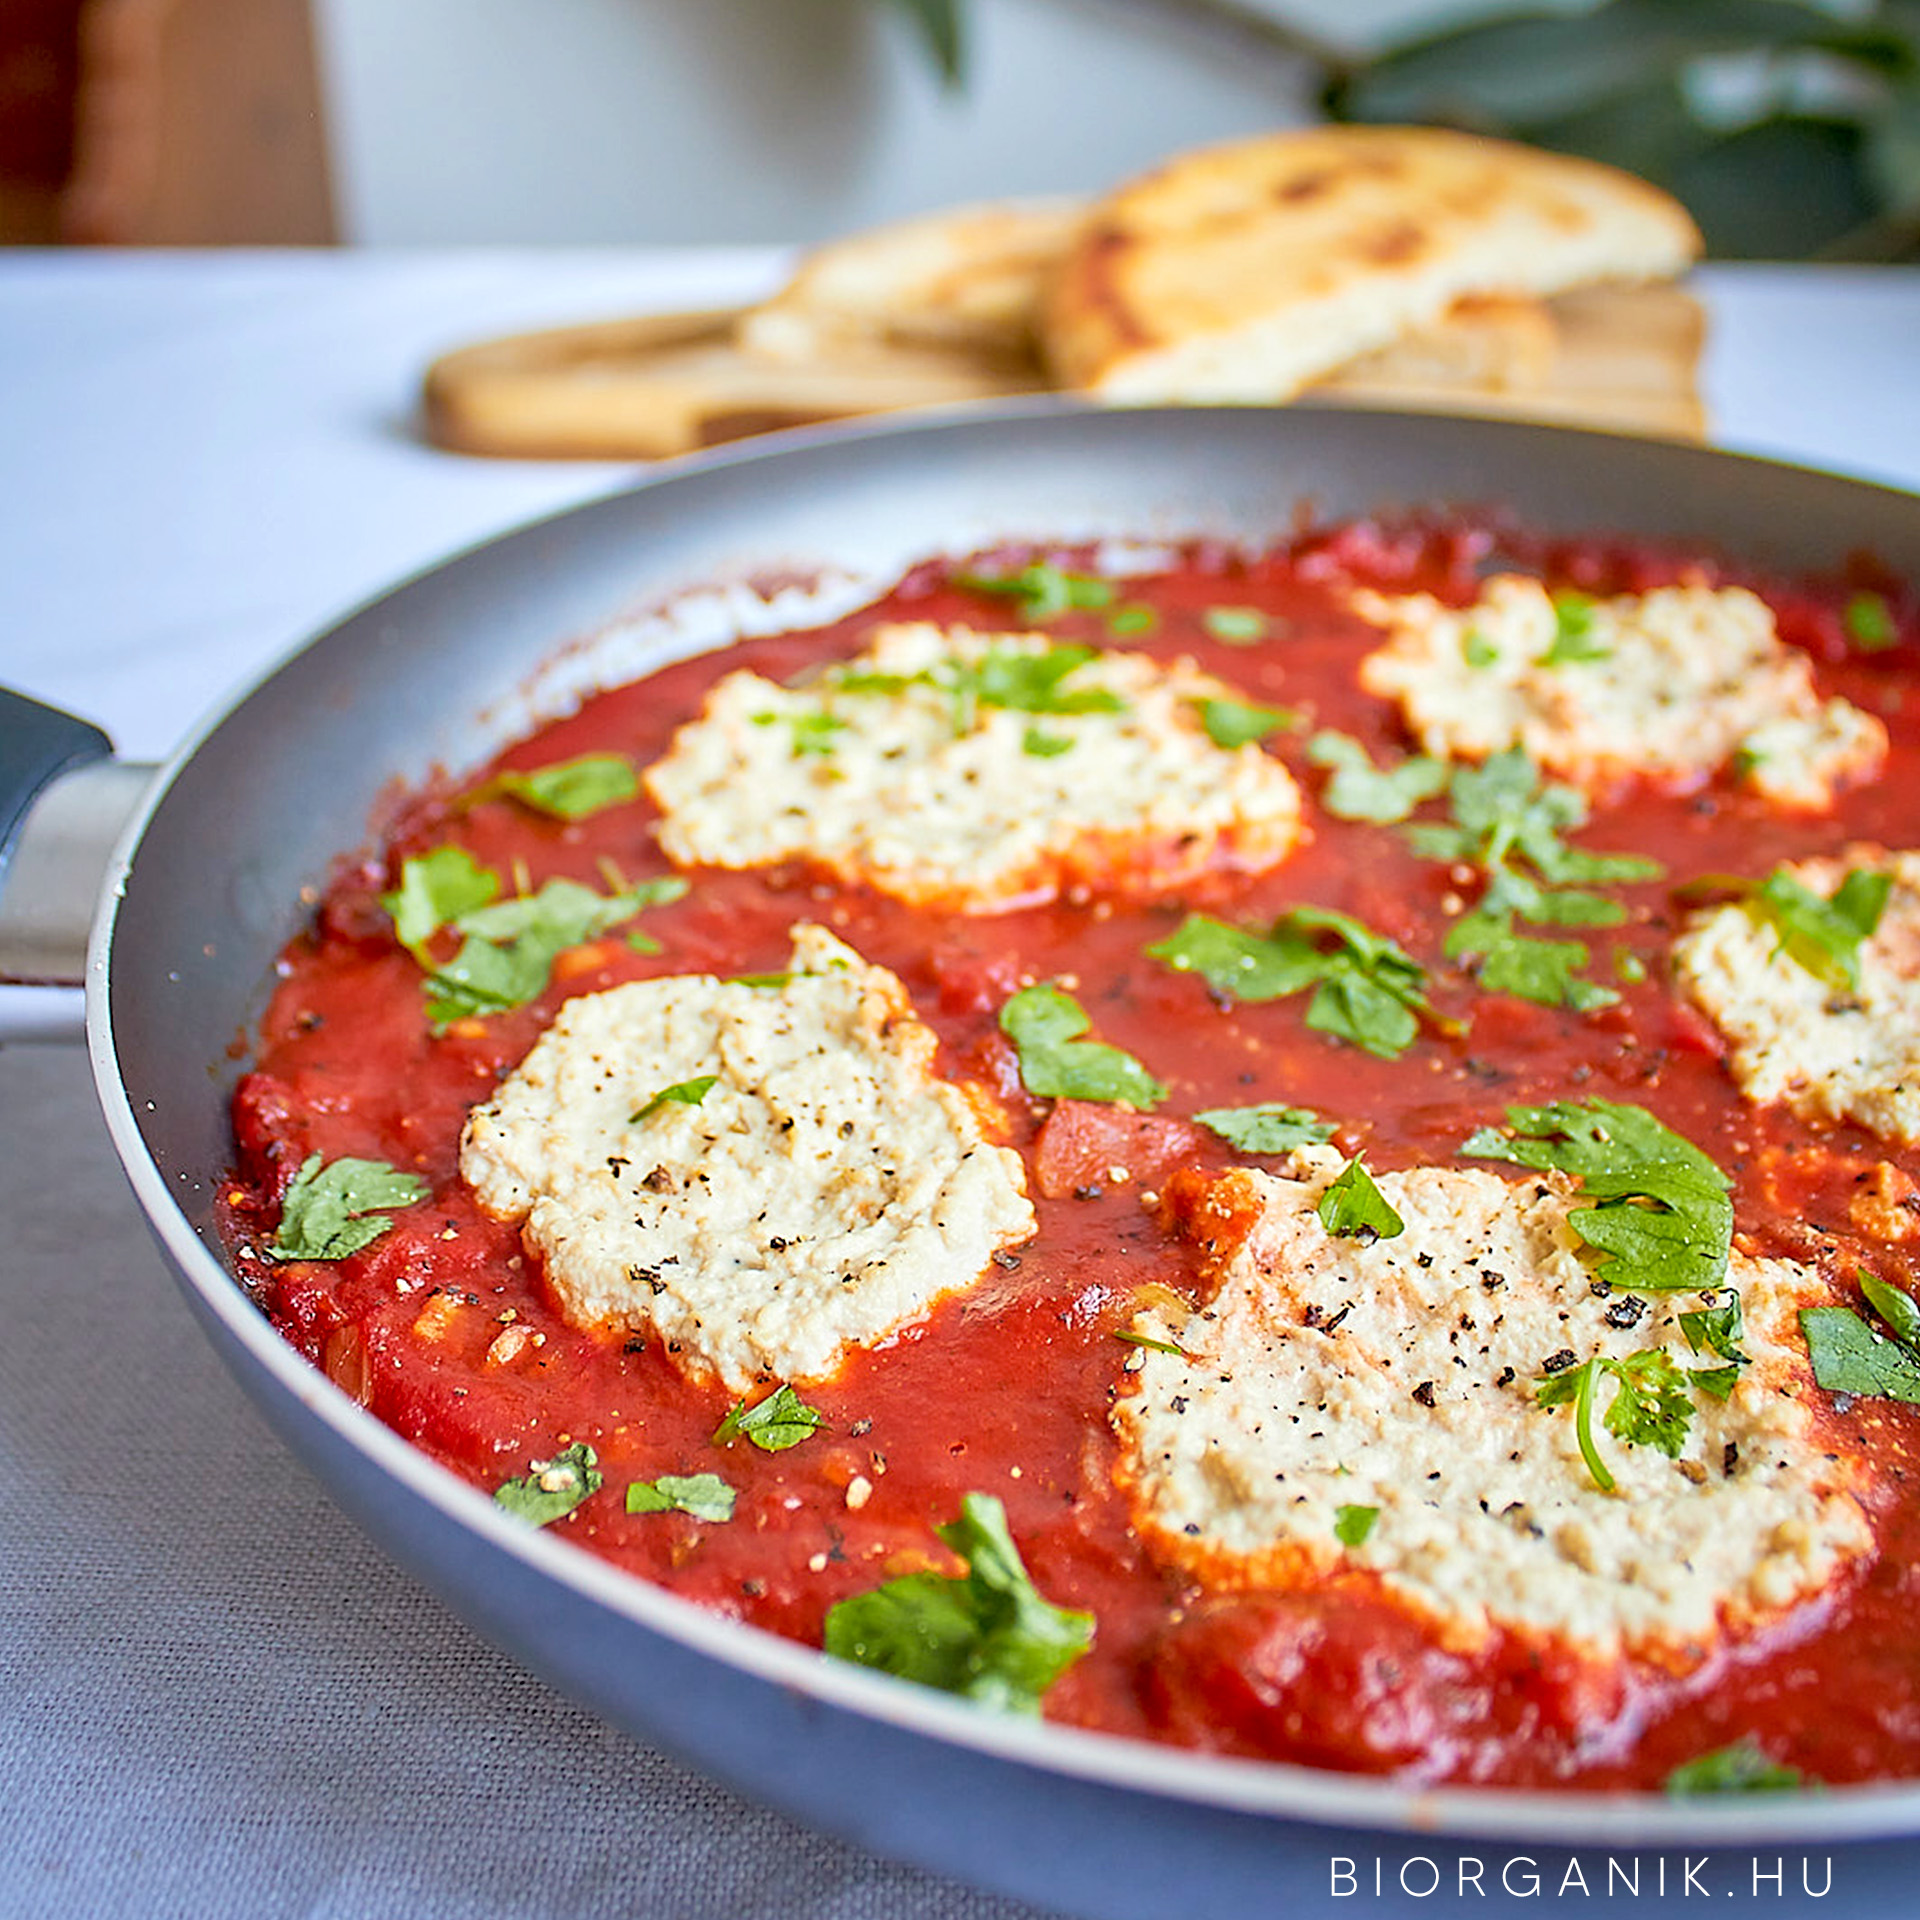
63, 803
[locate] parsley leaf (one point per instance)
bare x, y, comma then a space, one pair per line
1740, 1768
1822, 936
1851, 1356
1547, 972
1351, 1525
1367, 989
1042, 590
1869, 623
1043, 746
1716, 1329
1505, 821
1502, 811
1266, 1128
553, 1487
1045, 1026
1477, 650
1661, 1219
812, 732
1573, 640
1355, 1209
1235, 626
435, 889
569, 789
987, 1636
1651, 1405
780, 1421
509, 947
333, 1209
1235, 723
1135, 617
1359, 790
683, 1093
704, 1495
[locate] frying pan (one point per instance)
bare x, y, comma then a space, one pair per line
205, 887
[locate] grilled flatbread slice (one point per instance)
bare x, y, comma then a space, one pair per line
1247, 271
966, 277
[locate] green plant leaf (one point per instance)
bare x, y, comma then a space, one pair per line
1351, 1525
1661, 1219
1353, 1208
1267, 1128
333, 1209
1358, 790
988, 1635
569, 789
940, 26
552, 1488
703, 1495
1740, 1768
1045, 1026
780, 1421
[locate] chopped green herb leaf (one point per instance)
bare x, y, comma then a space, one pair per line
780, 1421
333, 1209
1041, 590
1359, 790
683, 1093
569, 789
1739, 1768
1132, 1339
1351, 1525
553, 1487
436, 889
1134, 618
509, 946
1502, 811
812, 732
1043, 746
1661, 1219
1477, 650
1628, 966
1717, 1329
1573, 641
1355, 1209
1367, 989
1235, 626
1893, 1306
1869, 623
1577, 1384
1045, 1026
1651, 1405
1823, 936
704, 1495
1547, 972
1850, 1356
1234, 723
987, 1636
1267, 1128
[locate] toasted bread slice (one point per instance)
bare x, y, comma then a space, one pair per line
966, 277
1246, 271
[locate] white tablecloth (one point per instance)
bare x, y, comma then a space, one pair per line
215, 1698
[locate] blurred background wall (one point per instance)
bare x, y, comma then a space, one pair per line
402, 122
745, 120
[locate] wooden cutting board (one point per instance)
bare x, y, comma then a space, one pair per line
1624, 358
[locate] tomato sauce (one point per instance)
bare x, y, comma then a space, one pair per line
443, 1328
